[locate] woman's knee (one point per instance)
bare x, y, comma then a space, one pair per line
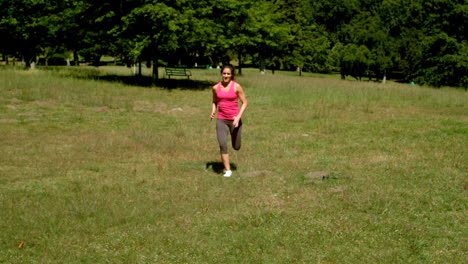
236, 145
223, 148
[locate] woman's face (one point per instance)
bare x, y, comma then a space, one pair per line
227, 75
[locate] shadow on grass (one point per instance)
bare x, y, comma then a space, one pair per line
147, 81
218, 167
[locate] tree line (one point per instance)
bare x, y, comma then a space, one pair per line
411, 40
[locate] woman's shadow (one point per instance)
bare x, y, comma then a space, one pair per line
218, 167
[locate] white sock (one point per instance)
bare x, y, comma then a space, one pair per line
228, 173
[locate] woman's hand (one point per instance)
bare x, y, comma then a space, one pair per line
236, 121
212, 115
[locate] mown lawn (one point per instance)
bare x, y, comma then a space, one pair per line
96, 170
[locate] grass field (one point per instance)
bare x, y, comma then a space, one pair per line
93, 170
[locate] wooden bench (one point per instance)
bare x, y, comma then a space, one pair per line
176, 71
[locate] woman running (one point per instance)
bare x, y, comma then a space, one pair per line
225, 99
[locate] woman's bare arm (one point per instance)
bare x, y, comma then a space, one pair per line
214, 105
241, 94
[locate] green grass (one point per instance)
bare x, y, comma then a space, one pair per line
95, 171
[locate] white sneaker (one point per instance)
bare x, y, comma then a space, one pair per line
228, 173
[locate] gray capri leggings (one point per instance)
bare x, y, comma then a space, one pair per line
223, 127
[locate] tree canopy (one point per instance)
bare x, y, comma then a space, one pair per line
412, 40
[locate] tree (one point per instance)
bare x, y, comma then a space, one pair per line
270, 34
199, 34
234, 16
429, 39
332, 15
444, 61
367, 29
324, 22
153, 27
422, 40
99, 17
24, 25
8, 29
355, 61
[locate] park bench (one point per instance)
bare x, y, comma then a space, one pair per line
177, 71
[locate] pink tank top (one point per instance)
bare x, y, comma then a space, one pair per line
228, 106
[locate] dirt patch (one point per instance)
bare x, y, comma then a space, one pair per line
268, 200
145, 106
317, 175
44, 103
338, 189
186, 109
30, 114
257, 173
15, 100
8, 121
379, 158
11, 107
101, 109
321, 176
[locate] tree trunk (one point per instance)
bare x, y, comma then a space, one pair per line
96, 60
262, 65
154, 60
239, 70
211, 61
155, 75
139, 68
26, 61
76, 58
34, 62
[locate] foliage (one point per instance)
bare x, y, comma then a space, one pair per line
444, 62
423, 41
